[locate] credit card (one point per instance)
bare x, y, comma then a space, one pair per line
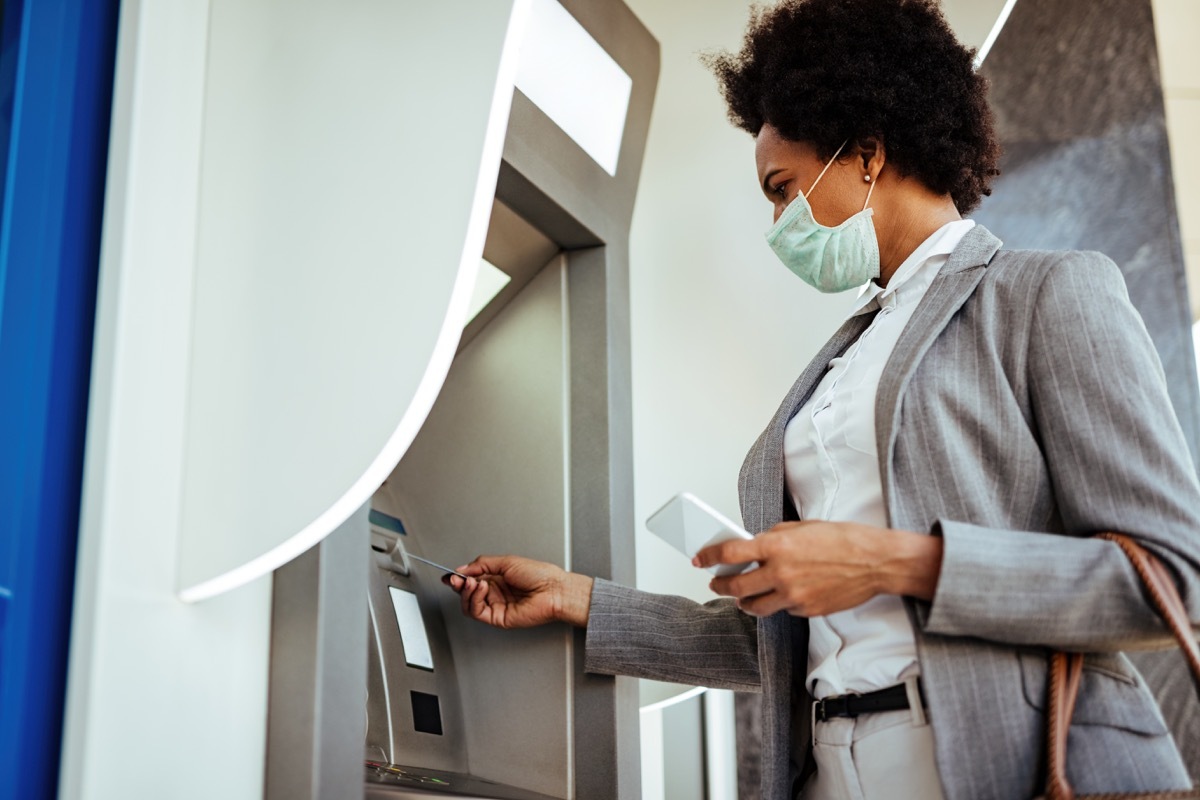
436, 565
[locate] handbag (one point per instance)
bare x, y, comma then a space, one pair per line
1066, 673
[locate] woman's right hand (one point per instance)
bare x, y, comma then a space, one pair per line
515, 592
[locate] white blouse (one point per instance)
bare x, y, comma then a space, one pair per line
832, 470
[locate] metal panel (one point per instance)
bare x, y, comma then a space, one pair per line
683, 749
487, 474
549, 180
518, 249
318, 663
392, 678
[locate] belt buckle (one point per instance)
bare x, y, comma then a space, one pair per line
819, 712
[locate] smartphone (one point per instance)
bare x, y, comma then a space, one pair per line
689, 525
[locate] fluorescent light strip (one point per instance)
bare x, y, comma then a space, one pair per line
986, 47
683, 697
568, 75
490, 280
1196, 344
439, 364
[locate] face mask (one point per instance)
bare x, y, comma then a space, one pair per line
829, 259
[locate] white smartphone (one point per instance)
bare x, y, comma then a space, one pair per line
689, 525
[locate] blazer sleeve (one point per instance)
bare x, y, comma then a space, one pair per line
666, 638
1118, 461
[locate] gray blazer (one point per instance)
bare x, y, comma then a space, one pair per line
1023, 409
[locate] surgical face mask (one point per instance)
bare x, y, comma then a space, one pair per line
829, 259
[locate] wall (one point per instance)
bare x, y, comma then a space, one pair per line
720, 328
1176, 23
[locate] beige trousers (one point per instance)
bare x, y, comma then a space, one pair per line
884, 756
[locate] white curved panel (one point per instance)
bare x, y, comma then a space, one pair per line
350, 156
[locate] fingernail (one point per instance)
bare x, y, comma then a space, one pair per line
696, 561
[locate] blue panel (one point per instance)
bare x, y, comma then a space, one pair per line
387, 522
56, 73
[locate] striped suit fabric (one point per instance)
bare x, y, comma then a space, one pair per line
1023, 409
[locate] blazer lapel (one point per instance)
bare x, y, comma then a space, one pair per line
763, 491
946, 295
762, 474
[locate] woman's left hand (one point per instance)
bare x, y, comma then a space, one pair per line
815, 568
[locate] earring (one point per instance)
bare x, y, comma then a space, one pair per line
867, 178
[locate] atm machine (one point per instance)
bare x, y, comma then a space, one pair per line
454, 704
527, 450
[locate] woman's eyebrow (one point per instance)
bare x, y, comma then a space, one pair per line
767, 189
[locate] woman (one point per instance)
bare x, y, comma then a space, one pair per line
926, 492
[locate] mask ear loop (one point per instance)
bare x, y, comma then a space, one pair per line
867, 202
827, 166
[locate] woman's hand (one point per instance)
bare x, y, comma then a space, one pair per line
515, 592
815, 568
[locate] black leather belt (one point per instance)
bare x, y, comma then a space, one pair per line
893, 698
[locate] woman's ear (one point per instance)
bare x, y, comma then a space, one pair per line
872, 155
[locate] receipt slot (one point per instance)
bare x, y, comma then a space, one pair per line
527, 449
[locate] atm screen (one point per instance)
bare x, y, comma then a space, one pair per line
412, 629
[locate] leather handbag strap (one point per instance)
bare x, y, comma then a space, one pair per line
1066, 669
1165, 597
1066, 673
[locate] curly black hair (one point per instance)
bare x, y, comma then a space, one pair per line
827, 71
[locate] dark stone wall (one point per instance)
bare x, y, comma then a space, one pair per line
1078, 97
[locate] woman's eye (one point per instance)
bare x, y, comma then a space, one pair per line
781, 190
